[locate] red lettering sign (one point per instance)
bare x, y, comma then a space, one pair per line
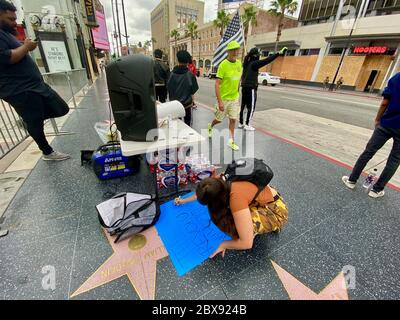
370, 50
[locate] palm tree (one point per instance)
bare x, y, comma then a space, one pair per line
249, 17
191, 31
175, 34
221, 22
279, 9
146, 46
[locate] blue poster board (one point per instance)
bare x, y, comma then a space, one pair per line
188, 234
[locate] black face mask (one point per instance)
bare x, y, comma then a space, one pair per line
8, 29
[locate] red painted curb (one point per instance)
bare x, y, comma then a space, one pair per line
299, 146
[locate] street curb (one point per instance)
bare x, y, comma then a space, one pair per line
330, 92
299, 146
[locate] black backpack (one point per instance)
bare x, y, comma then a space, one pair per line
251, 170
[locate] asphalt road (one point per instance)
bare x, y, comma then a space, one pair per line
354, 110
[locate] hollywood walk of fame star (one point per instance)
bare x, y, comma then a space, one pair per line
135, 257
336, 290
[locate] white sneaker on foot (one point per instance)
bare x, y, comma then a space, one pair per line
249, 128
56, 156
374, 194
240, 126
348, 183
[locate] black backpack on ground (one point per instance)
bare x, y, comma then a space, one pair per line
251, 170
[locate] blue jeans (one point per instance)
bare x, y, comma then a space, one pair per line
380, 136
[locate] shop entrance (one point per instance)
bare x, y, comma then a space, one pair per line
369, 87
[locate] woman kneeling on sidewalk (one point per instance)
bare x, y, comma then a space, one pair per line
238, 209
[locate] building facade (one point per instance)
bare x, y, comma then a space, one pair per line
170, 15
208, 38
370, 44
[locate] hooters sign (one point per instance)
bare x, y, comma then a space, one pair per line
370, 50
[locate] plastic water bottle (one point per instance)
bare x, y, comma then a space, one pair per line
370, 179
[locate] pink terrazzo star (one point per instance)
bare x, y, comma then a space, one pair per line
139, 263
336, 290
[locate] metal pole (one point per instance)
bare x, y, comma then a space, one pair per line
343, 54
118, 24
72, 90
115, 28
126, 31
199, 54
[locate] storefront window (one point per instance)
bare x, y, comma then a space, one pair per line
336, 50
291, 52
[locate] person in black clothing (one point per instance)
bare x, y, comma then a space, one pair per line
161, 75
251, 65
22, 85
182, 85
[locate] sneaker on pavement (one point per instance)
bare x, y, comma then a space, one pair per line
233, 145
349, 184
56, 156
375, 194
240, 126
249, 128
210, 130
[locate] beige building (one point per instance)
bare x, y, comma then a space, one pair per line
173, 14
209, 37
315, 49
203, 47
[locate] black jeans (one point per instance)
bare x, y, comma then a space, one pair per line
380, 136
161, 93
249, 100
34, 108
188, 116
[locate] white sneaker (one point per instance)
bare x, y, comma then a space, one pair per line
56, 156
249, 128
349, 184
374, 194
240, 126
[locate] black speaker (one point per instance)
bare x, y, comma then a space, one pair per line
131, 89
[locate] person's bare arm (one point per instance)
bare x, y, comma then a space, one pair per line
218, 94
244, 228
384, 104
179, 200
18, 54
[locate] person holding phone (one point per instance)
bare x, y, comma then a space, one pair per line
22, 85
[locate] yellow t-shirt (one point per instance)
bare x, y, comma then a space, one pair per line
230, 74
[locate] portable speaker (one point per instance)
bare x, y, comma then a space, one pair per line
131, 89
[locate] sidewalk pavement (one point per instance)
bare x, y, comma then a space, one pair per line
333, 236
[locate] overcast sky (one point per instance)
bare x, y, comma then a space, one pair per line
138, 17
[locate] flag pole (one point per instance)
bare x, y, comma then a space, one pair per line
244, 51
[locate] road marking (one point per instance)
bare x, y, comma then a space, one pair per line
306, 101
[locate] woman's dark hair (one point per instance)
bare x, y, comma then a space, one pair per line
7, 6
215, 193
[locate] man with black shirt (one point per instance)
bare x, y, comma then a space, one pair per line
161, 75
182, 85
251, 65
22, 85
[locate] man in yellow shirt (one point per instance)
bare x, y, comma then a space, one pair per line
227, 91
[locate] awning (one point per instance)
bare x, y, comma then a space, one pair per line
364, 37
291, 44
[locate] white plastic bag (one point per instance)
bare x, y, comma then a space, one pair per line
103, 130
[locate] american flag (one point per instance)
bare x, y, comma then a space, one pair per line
233, 32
